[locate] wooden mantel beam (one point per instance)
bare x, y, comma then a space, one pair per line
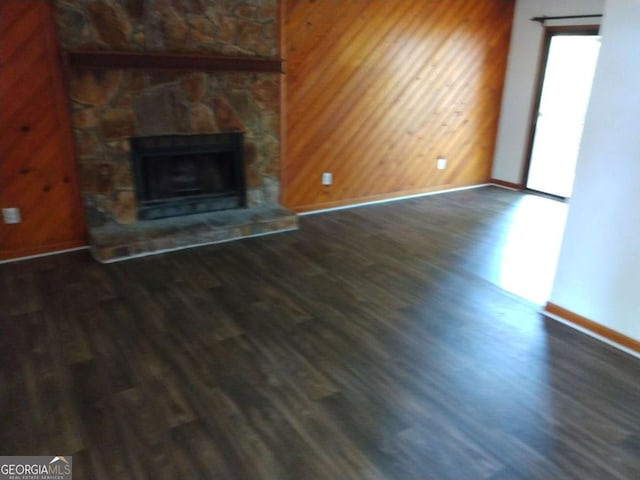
170, 61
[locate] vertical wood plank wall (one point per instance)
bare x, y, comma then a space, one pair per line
376, 90
37, 163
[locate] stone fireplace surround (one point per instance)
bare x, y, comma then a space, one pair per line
113, 102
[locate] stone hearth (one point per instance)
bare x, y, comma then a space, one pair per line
117, 242
111, 105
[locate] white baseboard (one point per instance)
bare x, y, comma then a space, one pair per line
40, 255
392, 199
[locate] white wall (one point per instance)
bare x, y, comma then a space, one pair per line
522, 69
598, 273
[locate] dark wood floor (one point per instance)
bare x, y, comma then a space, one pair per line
364, 346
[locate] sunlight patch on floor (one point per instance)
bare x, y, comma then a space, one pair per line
530, 251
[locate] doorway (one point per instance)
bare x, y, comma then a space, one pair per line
564, 89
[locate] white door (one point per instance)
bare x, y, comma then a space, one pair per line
566, 87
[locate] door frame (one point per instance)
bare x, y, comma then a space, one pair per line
549, 33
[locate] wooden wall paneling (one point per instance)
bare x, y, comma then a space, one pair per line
359, 87
408, 101
376, 90
384, 138
411, 102
37, 162
331, 72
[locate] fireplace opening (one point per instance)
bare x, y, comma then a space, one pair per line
179, 175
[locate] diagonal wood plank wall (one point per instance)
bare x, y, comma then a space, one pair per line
376, 90
37, 163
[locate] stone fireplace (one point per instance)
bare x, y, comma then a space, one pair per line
150, 74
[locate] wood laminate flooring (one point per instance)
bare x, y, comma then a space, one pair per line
369, 344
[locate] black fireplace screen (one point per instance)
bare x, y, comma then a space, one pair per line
183, 174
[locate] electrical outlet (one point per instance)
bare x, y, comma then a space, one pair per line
327, 178
441, 163
11, 215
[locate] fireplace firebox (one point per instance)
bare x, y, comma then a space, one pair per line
179, 175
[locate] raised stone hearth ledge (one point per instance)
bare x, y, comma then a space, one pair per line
114, 242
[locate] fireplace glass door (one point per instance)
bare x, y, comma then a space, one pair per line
186, 174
